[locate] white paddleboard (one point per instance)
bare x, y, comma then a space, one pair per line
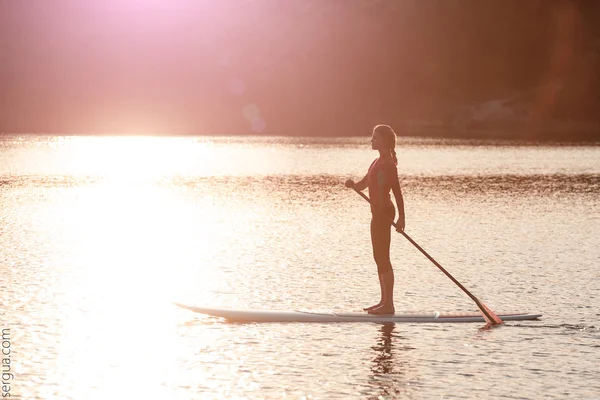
330, 316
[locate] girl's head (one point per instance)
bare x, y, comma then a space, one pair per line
384, 140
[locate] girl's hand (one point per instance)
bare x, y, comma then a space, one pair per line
350, 183
400, 225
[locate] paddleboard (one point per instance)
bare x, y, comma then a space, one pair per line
234, 315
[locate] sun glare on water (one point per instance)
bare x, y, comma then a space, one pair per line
135, 158
130, 246
127, 222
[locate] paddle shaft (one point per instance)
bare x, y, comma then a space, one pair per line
475, 299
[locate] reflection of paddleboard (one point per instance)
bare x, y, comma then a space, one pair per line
330, 316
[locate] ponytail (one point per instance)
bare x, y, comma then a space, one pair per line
390, 138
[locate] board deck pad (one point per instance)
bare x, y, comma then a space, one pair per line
235, 315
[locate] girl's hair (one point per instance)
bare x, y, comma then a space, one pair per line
389, 136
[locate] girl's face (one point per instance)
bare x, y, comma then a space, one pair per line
377, 142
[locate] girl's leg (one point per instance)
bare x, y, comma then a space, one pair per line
382, 290
374, 243
387, 306
381, 237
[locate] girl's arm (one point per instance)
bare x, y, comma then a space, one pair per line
395, 183
400, 204
362, 184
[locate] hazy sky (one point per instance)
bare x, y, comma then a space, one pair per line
277, 66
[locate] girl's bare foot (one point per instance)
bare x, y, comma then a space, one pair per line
383, 309
372, 307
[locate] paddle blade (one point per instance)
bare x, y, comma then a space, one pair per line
490, 317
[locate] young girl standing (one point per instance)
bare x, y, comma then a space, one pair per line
382, 178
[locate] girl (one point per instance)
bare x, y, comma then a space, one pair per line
380, 179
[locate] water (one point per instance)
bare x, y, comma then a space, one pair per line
100, 235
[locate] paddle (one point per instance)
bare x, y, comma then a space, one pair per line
488, 315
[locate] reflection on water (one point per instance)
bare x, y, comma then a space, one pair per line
387, 368
100, 235
136, 159
522, 185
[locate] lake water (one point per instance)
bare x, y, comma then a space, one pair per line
99, 236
